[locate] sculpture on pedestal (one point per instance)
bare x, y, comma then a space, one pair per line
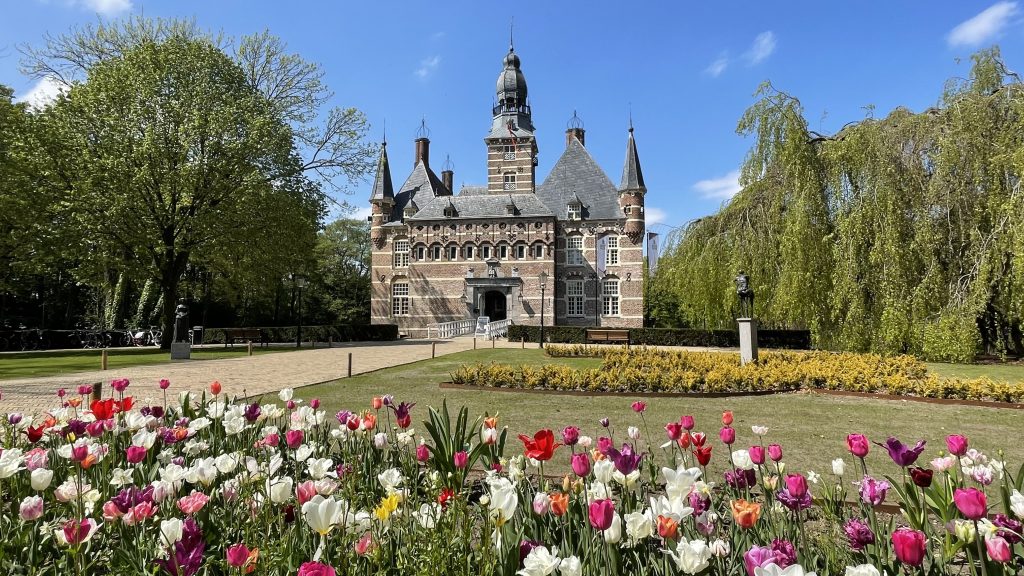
181, 322
746, 295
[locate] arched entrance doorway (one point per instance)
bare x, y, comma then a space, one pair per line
494, 305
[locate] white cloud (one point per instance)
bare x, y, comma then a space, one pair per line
427, 67
986, 25
716, 68
761, 49
107, 7
724, 187
654, 215
361, 214
44, 92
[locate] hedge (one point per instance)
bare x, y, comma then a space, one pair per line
648, 370
779, 339
339, 333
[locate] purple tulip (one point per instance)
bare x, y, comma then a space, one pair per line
873, 491
625, 461
570, 435
740, 479
900, 453
785, 553
252, 412
858, 533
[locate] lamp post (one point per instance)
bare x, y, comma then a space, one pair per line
543, 286
597, 301
300, 283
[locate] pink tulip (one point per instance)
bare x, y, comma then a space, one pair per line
460, 459
79, 453
136, 454
639, 406
727, 435
775, 452
95, 428
674, 430
909, 545
192, 503
570, 435
971, 502
37, 458
77, 532
757, 455
237, 555
31, 508
120, 384
603, 444
316, 569
294, 438
687, 423
111, 511
305, 491
957, 444
365, 544
601, 513
998, 549
164, 384
858, 445
581, 464
422, 453
314, 403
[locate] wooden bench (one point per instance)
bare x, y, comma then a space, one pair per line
606, 335
254, 335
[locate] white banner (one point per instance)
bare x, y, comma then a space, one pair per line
652, 252
602, 255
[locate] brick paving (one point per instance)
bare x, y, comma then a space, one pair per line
255, 374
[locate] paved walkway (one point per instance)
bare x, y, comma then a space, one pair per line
255, 374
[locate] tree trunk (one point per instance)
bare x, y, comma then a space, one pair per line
172, 267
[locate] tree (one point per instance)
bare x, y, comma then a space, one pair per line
341, 285
168, 153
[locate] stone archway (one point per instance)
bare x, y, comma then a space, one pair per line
495, 305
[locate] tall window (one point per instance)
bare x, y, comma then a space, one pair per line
453, 252
610, 297
436, 253
510, 181
574, 250
421, 253
521, 251
485, 252
575, 211
400, 299
401, 253
538, 250
469, 252
503, 252
612, 254
574, 297
510, 152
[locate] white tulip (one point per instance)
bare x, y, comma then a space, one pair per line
1017, 503
603, 471
862, 570
614, 532
759, 430
720, 548
633, 432
320, 467
570, 566
691, 556
675, 509
170, 531
741, 459
144, 438
639, 525
540, 562
226, 463
280, 489
285, 394
839, 467
391, 480
380, 440
41, 478
321, 513
11, 461
503, 501
680, 482
774, 570
428, 515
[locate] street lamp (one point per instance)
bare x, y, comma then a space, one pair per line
300, 283
597, 300
543, 286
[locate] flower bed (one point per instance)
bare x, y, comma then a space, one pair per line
215, 485
648, 370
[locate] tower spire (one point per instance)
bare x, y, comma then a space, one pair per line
511, 25
632, 175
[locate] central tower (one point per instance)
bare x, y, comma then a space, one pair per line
511, 145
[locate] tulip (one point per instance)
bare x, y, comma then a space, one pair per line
691, 557
40, 479
757, 557
873, 491
998, 549
838, 467
488, 436
215, 387
76, 532
858, 445
668, 528
315, 569
971, 502
135, 454
422, 453
687, 423
639, 406
775, 452
921, 477
698, 439
684, 440
31, 508
674, 430
601, 513
703, 455
745, 513
759, 430
581, 464
900, 453
192, 503
305, 491
237, 555
633, 432
164, 384
796, 485
604, 422
460, 459
365, 544
727, 435
314, 403
377, 403
757, 455
858, 534
541, 447
727, 418
956, 444
909, 546
294, 438
541, 503
570, 435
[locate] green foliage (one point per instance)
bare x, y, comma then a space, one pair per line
896, 235
788, 339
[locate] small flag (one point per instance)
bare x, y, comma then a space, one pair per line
652, 252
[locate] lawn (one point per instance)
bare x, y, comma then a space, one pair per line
29, 364
1009, 372
811, 428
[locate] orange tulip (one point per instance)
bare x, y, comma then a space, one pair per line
727, 417
75, 402
597, 455
559, 503
377, 402
250, 563
215, 387
88, 461
491, 422
745, 513
369, 421
668, 528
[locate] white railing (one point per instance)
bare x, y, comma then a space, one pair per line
450, 329
497, 329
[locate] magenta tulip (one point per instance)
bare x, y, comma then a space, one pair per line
858, 445
294, 438
797, 485
757, 454
909, 545
460, 459
570, 435
316, 569
687, 423
775, 452
601, 513
581, 464
136, 454
971, 502
998, 549
956, 444
674, 430
237, 555
422, 453
727, 435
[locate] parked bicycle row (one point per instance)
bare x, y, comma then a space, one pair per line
37, 339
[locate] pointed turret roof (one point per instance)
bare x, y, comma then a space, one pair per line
383, 190
632, 175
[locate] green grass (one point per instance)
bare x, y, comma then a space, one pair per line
811, 428
30, 364
1010, 372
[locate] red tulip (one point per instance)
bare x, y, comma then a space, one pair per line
377, 402
639, 406
215, 387
922, 477
684, 440
102, 409
601, 513
909, 546
727, 417
34, 434
703, 454
971, 502
858, 445
698, 438
957, 444
541, 446
164, 384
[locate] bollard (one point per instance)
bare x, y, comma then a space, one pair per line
103, 359
330, 341
313, 343
474, 342
523, 342
97, 390
433, 349
492, 342
349, 364
250, 347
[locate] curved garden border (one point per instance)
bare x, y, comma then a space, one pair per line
840, 393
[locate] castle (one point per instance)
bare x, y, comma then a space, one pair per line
497, 250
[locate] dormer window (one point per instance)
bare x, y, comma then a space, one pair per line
575, 211
510, 209
449, 211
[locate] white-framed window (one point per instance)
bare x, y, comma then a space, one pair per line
510, 181
611, 257
575, 211
436, 252
610, 297
468, 250
453, 252
538, 250
421, 253
574, 251
503, 252
485, 252
400, 299
521, 251
574, 297
401, 258
510, 152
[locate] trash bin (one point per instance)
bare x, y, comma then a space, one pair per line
197, 335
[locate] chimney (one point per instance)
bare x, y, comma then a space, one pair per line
422, 151
447, 178
574, 134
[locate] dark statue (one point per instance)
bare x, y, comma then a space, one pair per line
746, 294
181, 322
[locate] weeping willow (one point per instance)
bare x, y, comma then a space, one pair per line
902, 234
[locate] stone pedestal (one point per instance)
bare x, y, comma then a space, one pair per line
181, 350
748, 340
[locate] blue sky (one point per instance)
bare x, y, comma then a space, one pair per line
687, 69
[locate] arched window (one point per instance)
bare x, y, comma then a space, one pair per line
453, 252
468, 251
435, 252
610, 296
400, 298
401, 253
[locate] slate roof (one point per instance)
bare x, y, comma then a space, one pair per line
577, 173
472, 190
632, 175
484, 206
423, 184
382, 187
